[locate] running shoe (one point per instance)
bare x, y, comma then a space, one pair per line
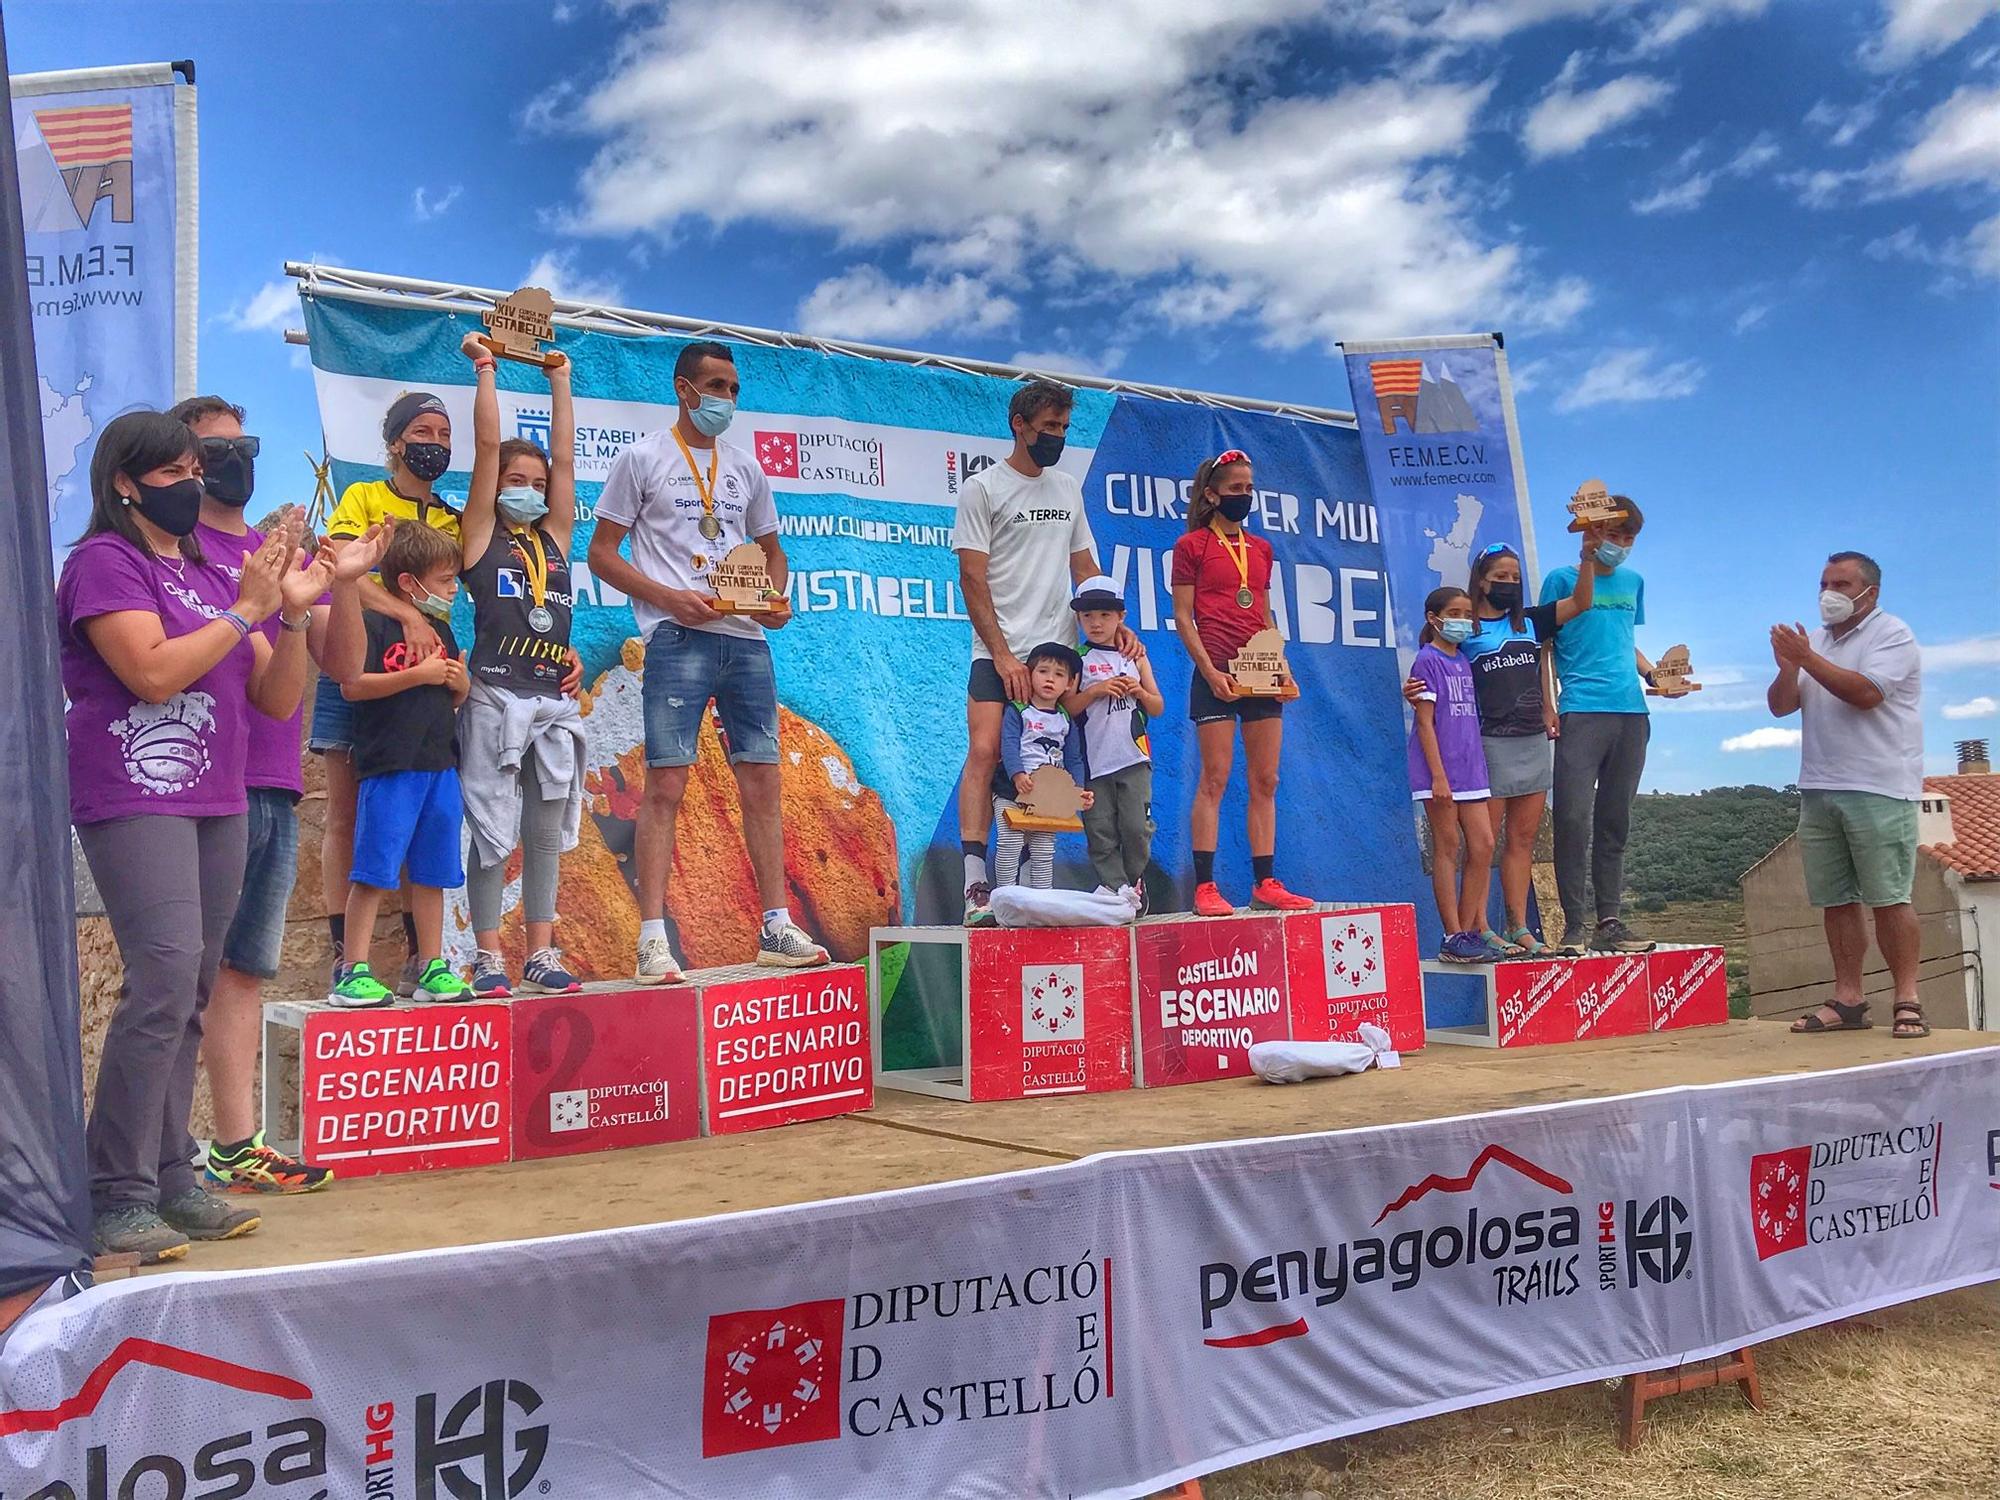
544, 974
257, 1168
976, 913
137, 1229
1464, 948
410, 980
1574, 940
437, 982
489, 976
788, 947
657, 964
1133, 897
1613, 936
203, 1216
1271, 895
359, 990
1210, 902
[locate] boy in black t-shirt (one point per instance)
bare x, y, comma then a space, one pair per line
407, 810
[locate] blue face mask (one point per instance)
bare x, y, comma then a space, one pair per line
1612, 555
1458, 632
713, 415
522, 504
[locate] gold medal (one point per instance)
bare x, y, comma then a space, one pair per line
1239, 553
710, 527
1245, 598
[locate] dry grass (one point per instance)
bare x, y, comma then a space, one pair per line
1904, 1402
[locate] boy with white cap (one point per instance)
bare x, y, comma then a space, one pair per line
1113, 700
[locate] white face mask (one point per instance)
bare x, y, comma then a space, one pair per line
1836, 609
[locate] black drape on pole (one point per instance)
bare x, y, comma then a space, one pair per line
44, 1192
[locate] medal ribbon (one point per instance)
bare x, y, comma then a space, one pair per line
705, 490
534, 562
1239, 553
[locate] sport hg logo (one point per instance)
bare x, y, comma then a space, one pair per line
468, 1452
1654, 1244
771, 1377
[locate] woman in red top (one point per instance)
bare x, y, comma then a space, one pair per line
1222, 597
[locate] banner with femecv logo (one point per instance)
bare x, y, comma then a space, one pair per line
1103, 1327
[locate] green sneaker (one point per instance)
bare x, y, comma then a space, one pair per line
437, 982
359, 990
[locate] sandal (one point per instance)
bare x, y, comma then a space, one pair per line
1521, 938
1907, 1021
1852, 1018
1507, 946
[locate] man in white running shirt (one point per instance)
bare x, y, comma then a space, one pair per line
1023, 543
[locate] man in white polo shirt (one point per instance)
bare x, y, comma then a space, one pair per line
686, 498
1023, 543
1856, 684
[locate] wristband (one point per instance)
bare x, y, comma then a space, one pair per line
242, 625
480, 366
305, 622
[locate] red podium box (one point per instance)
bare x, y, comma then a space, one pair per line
779, 1046
1540, 1002
1690, 986
400, 1089
1205, 990
1002, 1013
603, 1069
1351, 965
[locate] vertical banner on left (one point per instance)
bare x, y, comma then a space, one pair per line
108, 211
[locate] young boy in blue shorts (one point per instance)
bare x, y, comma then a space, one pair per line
407, 809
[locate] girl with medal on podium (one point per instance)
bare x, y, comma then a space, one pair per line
521, 745
1222, 597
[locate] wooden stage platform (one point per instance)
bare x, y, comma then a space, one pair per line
911, 1139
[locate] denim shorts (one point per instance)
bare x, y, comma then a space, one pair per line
256, 937
332, 718
684, 670
409, 818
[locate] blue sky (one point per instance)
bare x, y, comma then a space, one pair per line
1745, 252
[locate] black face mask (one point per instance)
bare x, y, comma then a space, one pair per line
1235, 507
174, 508
1046, 449
228, 474
426, 460
1505, 596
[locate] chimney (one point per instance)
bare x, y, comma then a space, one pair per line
1934, 820
1972, 758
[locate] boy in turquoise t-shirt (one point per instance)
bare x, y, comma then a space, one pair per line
1601, 747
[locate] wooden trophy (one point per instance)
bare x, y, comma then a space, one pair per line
1050, 806
518, 326
742, 583
1670, 675
1259, 669
1592, 505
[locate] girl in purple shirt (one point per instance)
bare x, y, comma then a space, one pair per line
162, 661
1447, 770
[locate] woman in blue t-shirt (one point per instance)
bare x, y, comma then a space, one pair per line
1517, 715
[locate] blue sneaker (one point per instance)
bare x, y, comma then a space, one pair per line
544, 974
1464, 948
489, 976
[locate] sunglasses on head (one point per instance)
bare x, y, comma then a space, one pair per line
221, 447
1496, 549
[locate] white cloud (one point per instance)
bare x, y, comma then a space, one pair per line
866, 304
1690, 192
1131, 150
563, 14
1913, 29
556, 271
1703, 703
1060, 362
1675, 23
1843, 123
1565, 121
1960, 142
1951, 656
1677, 197
1983, 707
267, 308
1770, 737
1977, 251
1752, 316
427, 206
1631, 375
1656, 24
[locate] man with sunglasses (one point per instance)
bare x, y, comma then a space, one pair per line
238, 1159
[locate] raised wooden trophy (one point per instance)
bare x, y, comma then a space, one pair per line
1259, 669
518, 325
1050, 806
1592, 505
1670, 675
741, 582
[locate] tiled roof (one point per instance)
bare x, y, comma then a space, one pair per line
1975, 825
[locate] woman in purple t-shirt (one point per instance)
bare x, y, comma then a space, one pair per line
162, 662
1447, 770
